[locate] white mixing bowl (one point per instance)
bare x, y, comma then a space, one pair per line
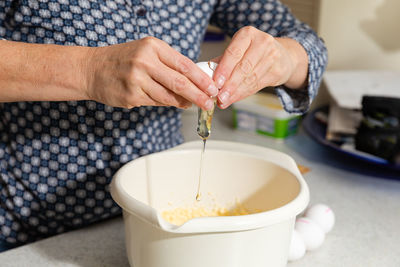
258, 177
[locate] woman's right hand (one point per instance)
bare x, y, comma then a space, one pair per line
146, 72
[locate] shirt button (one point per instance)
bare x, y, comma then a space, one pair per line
141, 12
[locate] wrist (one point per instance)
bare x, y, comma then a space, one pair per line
298, 62
42, 72
63, 78
89, 64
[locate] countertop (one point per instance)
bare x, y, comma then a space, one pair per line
366, 203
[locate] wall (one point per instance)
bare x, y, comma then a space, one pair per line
210, 50
305, 10
361, 34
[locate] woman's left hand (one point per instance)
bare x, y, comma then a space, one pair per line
255, 60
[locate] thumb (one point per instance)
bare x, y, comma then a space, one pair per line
216, 59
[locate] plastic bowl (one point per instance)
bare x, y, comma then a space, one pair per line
260, 178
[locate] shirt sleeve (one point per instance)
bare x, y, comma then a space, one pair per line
274, 18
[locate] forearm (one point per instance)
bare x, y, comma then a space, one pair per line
298, 79
37, 72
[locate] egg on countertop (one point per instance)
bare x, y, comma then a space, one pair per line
311, 233
322, 215
297, 247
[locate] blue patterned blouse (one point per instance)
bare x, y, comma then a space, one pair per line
57, 158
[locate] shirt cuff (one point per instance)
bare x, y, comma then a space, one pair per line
299, 100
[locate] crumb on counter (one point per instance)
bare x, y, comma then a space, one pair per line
303, 169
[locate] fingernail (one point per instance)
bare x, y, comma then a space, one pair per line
224, 106
223, 98
220, 81
212, 90
209, 104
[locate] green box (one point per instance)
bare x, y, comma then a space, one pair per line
263, 114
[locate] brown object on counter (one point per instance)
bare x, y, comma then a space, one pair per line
303, 169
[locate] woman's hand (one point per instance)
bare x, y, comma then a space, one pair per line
147, 72
255, 60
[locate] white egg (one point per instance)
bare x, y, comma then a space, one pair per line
312, 235
297, 247
208, 67
322, 215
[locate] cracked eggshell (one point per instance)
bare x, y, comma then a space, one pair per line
208, 67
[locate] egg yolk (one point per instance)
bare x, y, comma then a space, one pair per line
179, 216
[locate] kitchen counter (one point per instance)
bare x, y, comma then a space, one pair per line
367, 210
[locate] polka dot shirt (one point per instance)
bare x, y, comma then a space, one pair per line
57, 158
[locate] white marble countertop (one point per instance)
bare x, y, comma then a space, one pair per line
367, 207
